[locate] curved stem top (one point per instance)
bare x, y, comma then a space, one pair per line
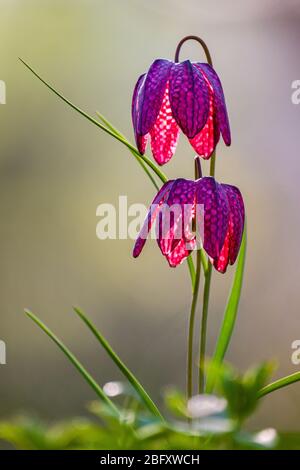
200, 41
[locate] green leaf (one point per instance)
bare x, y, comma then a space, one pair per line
111, 130
135, 154
189, 260
176, 402
242, 390
125, 371
24, 433
230, 313
283, 382
108, 124
89, 379
152, 165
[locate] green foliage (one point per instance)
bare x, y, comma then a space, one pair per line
30, 434
242, 390
82, 433
204, 422
127, 418
137, 429
230, 314
85, 374
145, 398
280, 383
176, 402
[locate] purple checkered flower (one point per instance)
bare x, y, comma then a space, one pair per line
173, 96
222, 212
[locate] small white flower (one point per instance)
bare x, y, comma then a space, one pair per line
113, 389
266, 437
201, 406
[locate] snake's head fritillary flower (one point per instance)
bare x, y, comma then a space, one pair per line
173, 96
176, 209
224, 218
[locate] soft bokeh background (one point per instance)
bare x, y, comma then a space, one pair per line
55, 168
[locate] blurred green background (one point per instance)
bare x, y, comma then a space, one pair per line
55, 168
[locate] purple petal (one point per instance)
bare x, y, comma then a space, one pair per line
237, 219
164, 133
141, 141
216, 214
176, 216
150, 95
154, 208
222, 261
206, 140
179, 254
221, 109
189, 98
135, 103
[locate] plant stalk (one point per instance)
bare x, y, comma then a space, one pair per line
191, 327
203, 330
205, 305
198, 174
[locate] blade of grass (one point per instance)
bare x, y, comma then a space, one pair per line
280, 383
156, 170
89, 379
120, 364
109, 130
135, 154
229, 315
189, 260
108, 124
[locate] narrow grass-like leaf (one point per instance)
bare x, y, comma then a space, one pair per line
135, 154
109, 129
152, 165
280, 383
108, 124
120, 364
229, 315
189, 260
89, 379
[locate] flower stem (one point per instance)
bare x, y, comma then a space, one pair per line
205, 305
198, 174
191, 327
200, 41
204, 328
212, 169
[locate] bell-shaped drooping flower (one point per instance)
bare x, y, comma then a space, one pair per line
224, 218
185, 210
173, 96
